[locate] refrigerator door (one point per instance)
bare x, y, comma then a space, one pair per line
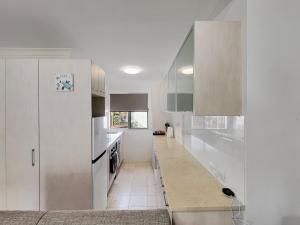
100, 181
99, 136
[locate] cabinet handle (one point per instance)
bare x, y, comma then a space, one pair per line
33, 157
165, 199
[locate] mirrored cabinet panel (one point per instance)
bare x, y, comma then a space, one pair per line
164, 87
171, 94
184, 75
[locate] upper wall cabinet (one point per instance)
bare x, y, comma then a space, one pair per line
217, 69
206, 74
98, 81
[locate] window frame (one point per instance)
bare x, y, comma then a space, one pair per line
129, 121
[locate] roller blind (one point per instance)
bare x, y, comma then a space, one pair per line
128, 102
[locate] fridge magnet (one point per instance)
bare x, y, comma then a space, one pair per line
64, 82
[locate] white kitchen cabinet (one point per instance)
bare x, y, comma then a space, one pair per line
102, 82
2, 136
22, 134
65, 136
98, 81
95, 83
45, 134
206, 76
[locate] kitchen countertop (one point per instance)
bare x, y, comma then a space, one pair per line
112, 137
188, 185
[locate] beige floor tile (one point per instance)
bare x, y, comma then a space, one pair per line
120, 201
138, 201
135, 188
138, 190
151, 201
120, 190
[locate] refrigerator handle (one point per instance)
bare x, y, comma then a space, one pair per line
33, 157
99, 157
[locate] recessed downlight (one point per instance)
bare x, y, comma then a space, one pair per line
132, 70
187, 70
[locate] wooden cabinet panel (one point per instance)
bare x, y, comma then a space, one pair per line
98, 81
2, 136
94, 79
206, 76
65, 137
217, 69
101, 82
22, 134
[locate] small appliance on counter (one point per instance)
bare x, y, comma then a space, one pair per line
166, 126
170, 132
159, 132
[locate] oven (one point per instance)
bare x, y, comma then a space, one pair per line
113, 160
118, 146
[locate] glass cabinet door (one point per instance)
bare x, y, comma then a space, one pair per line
171, 94
164, 90
184, 75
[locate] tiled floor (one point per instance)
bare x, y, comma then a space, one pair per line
135, 188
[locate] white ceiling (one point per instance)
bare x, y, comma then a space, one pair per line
114, 33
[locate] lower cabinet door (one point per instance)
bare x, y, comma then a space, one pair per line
22, 144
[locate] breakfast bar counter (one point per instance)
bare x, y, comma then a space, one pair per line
189, 187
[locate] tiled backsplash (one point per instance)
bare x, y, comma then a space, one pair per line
218, 143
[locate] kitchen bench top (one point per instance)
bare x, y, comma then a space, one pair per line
188, 185
112, 138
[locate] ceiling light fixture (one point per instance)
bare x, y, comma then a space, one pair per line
132, 70
186, 70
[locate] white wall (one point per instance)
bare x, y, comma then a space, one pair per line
232, 11
159, 118
273, 112
35, 52
2, 135
137, 143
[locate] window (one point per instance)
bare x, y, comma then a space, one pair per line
129, 111
134, 120
119, 119
139, 120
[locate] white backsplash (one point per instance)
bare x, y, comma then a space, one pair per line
218, 144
